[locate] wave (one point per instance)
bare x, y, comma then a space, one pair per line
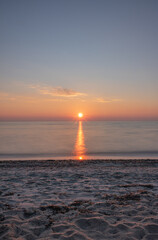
89, 155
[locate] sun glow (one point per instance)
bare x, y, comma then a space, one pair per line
80, 115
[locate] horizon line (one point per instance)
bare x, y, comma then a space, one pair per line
76, 119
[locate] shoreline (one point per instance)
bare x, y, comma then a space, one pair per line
73, 162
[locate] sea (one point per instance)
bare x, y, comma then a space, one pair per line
78, 140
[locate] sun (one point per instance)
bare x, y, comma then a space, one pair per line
80, 115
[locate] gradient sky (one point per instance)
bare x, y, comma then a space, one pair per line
61, 57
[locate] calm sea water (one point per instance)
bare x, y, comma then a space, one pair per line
78, 140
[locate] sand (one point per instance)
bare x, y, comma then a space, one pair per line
79, 200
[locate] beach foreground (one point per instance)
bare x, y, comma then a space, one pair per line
80, 200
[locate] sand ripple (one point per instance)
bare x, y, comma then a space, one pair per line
79, 200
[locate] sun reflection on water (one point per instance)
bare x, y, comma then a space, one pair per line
80, 149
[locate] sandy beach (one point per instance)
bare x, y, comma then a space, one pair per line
79, 200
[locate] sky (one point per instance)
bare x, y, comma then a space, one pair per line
61, 57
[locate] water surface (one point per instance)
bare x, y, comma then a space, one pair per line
79, 140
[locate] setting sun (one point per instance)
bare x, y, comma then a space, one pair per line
80, 115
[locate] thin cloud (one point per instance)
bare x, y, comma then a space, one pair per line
6, 96
57, 91
12, 97
3, 95
102, 100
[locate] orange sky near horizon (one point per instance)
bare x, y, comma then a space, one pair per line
67, 109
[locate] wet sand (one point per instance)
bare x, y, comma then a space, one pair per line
79, 200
